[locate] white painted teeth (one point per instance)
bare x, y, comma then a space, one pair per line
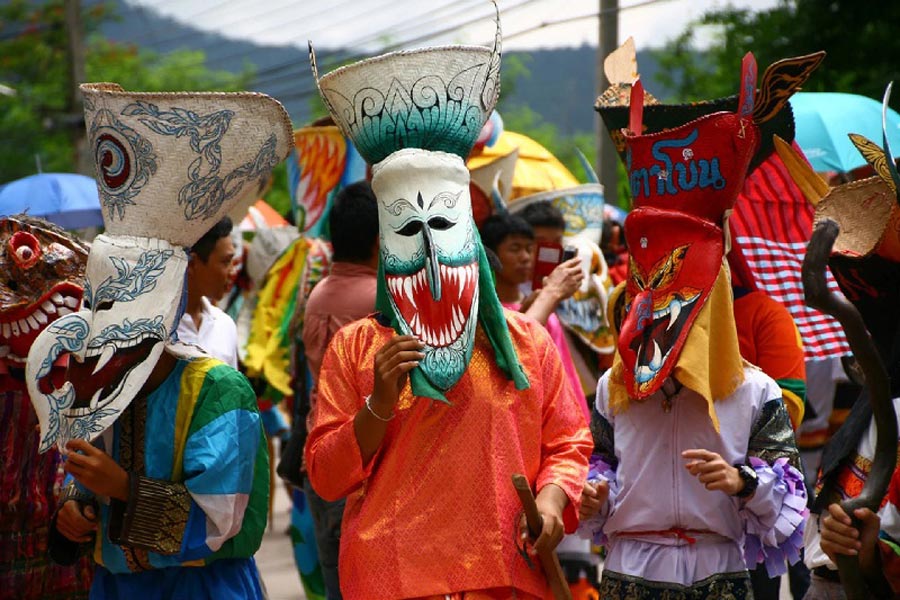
15, 327
656, 363
674, 311
95, 399
409, 285
49, 307
108, 351
71, 302
64, 311
57, 298
6, 329
40, 316
408, 290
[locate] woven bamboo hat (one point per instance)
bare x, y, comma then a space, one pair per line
171, 164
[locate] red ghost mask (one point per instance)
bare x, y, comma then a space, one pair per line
675, 259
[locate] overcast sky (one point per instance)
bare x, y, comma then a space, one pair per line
371, 24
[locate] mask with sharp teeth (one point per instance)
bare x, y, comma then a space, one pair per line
43, 274
415, 116
429, 256
131, 305
683, 181
675, 259
169, 165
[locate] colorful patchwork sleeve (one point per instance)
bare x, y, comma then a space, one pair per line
775, 515
217, 499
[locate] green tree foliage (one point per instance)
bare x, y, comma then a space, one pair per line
860, 39
36, 123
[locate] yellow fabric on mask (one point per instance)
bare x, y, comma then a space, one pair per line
710, 362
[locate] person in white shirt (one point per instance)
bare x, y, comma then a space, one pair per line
208, 279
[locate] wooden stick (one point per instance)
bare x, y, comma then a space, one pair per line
555, 578
820, 297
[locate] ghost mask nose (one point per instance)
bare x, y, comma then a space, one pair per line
432, 267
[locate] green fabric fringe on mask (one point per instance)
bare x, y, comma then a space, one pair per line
490, 317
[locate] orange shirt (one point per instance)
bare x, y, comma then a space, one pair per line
434, 512
770, 340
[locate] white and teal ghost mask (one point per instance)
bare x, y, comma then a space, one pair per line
414, 116
132, 302
429, 255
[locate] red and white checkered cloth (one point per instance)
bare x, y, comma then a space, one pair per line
772, 223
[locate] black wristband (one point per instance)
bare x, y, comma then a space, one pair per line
750, 479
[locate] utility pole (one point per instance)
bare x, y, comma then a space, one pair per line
607, 158
74, 117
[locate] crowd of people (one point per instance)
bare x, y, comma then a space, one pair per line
431, 336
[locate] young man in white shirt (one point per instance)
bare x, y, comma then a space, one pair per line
208, 279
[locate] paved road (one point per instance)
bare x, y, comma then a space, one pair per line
276, 556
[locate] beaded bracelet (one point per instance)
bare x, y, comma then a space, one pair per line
375, 414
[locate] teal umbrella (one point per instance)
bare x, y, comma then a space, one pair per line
823, 120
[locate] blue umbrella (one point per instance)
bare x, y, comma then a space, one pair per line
823, 120
67, 199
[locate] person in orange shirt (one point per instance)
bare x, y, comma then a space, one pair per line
428, 407
769, 339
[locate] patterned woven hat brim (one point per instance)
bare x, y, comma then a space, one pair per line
581, 206
171, 164
869, 216
432, 98
500, 171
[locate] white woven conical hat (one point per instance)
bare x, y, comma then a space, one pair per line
171, 164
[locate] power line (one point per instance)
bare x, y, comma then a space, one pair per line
301, 94
461, 8
354, 17
593, 15
283, 70
222, 26
349, 56
306, 93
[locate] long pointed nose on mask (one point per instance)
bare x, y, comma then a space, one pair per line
432, 267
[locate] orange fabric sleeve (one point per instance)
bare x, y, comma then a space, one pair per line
562, 455
333, 459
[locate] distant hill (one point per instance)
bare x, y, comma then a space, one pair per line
560, 88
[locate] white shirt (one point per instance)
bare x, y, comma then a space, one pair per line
653, 492
217, 335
